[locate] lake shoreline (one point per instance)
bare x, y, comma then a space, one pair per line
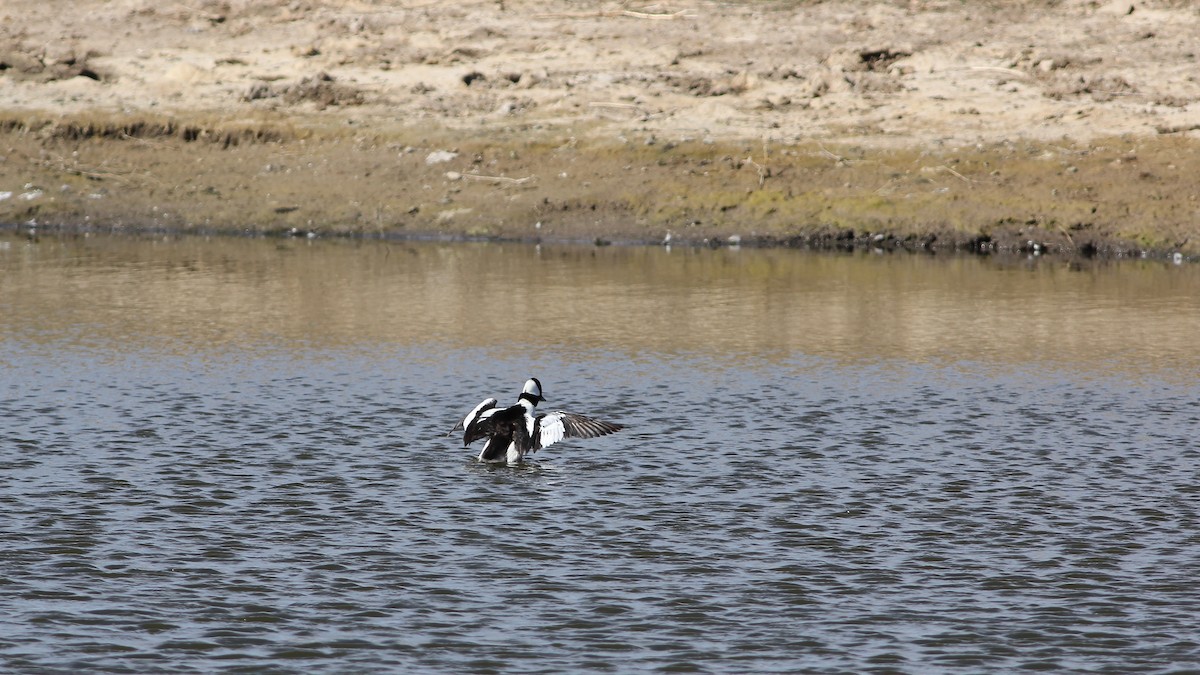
818, 244
1040, 127
556, 184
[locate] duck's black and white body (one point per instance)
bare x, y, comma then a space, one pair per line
514, 432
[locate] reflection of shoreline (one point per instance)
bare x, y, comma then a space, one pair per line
195, 294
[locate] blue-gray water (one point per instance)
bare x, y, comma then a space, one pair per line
229, 455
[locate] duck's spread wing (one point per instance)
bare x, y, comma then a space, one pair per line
555, 426
473, 423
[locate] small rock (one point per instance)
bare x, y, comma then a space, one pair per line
845, 59
530, 79
439, 156
58, 52
1118, 7
743, 82
450, 214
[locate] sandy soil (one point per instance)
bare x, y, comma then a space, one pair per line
1070, 124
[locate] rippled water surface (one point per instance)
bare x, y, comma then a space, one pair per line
229, 455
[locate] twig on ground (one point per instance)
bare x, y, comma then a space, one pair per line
1066, 234
500, 180
633, 108
139, 140
887, 188
1004, 71
60, 164
658, 17
504, 180
607, 13
763, 172
952, 172
614, 104
830, 155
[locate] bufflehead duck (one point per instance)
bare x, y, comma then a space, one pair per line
514, 432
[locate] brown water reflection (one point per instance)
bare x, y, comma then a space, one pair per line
185, 294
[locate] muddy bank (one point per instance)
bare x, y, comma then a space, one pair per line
1048, 126
1110, 197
